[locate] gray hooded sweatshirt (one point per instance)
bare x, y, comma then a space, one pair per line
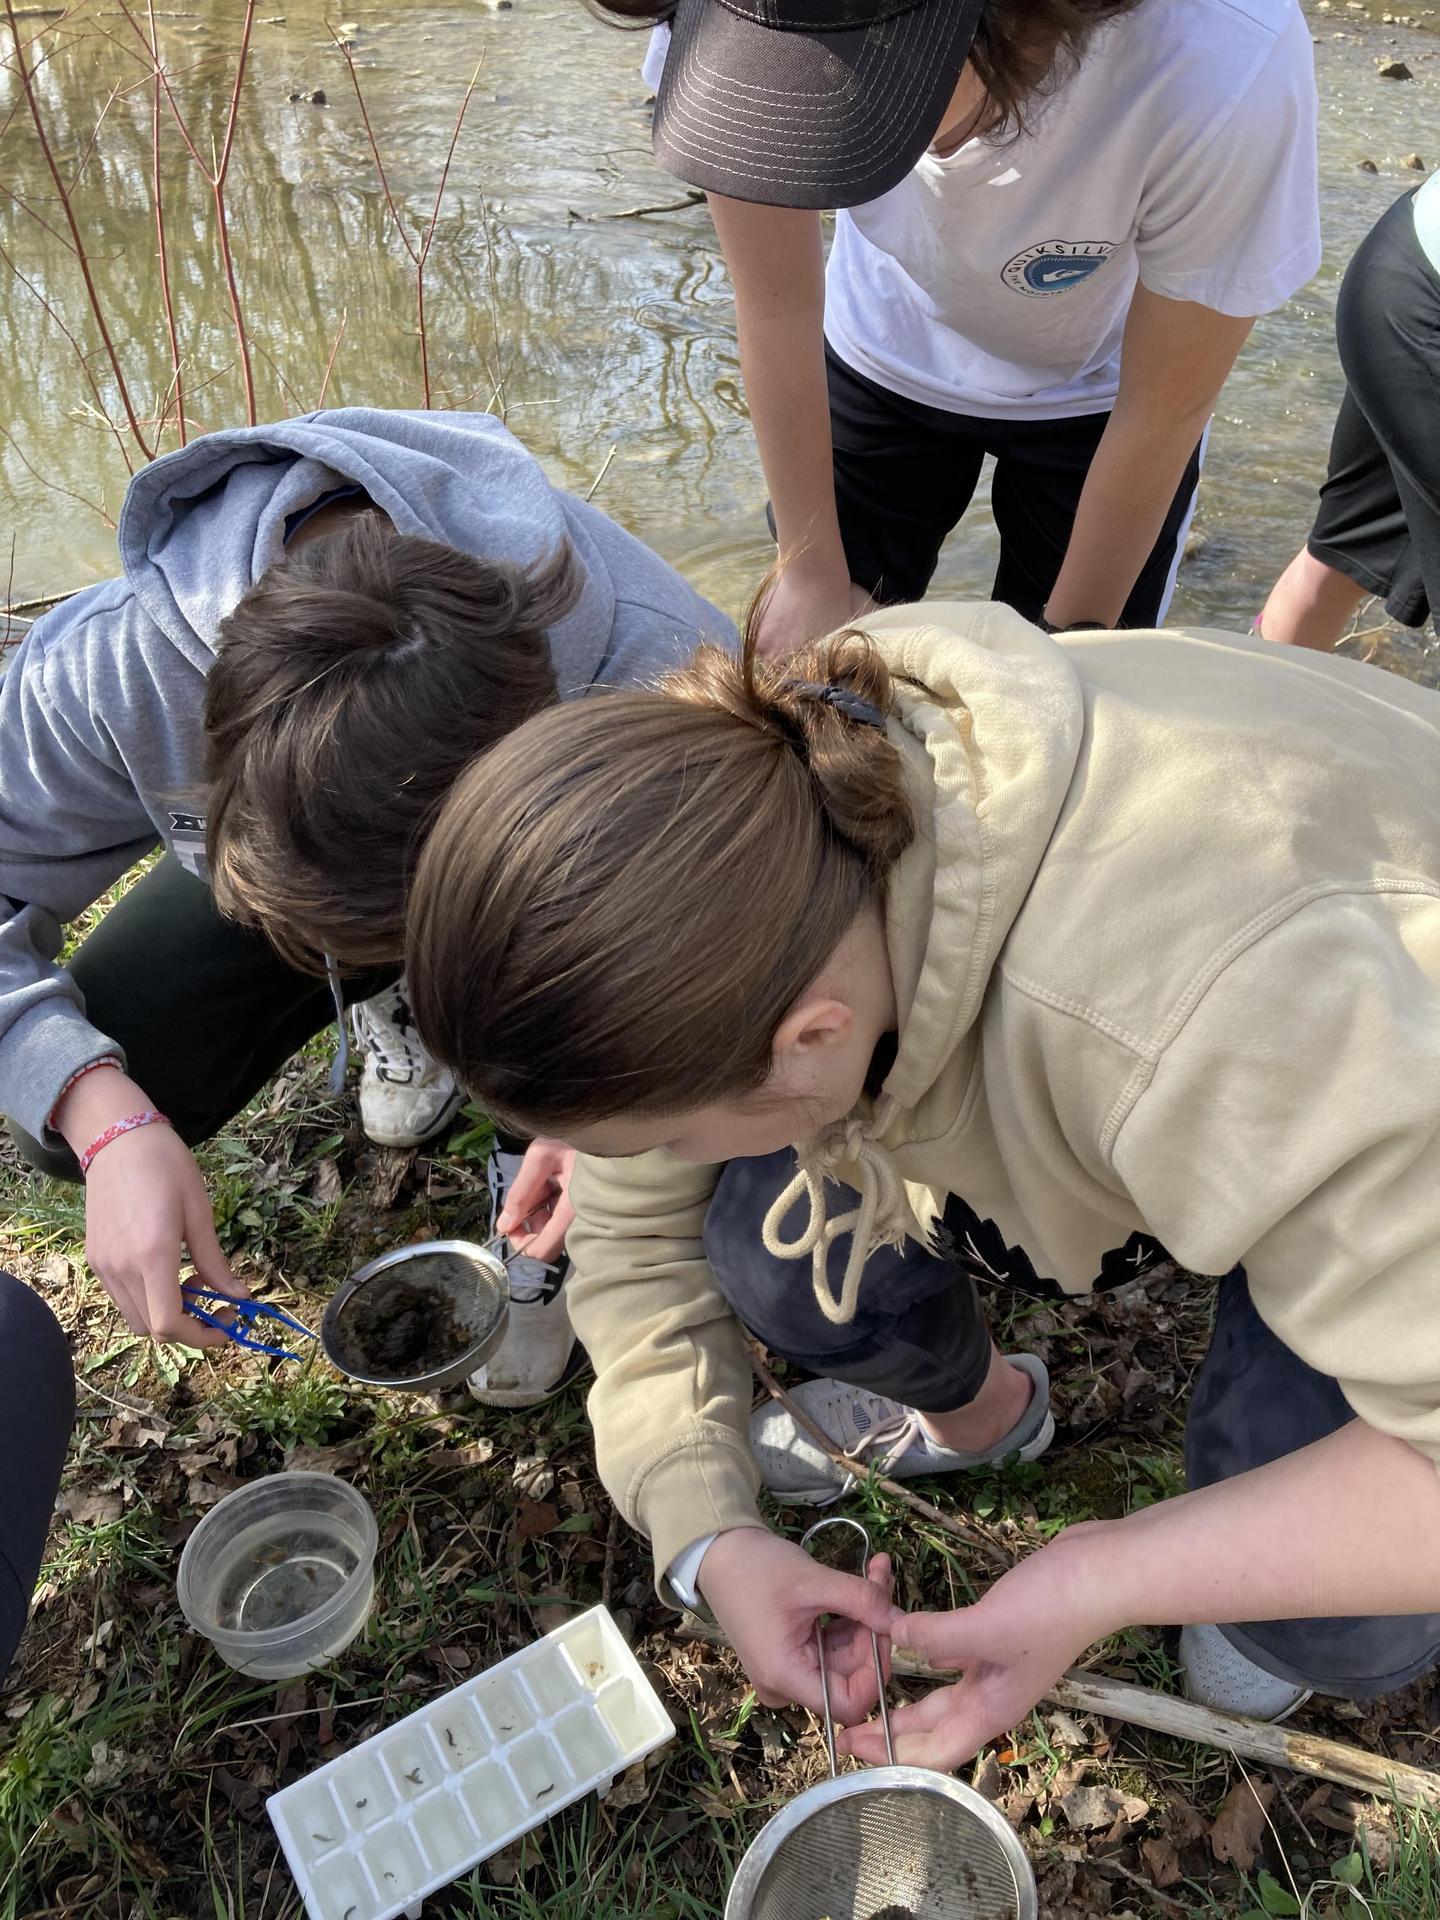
101, 708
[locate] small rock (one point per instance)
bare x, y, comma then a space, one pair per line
1393, 70
1414, 163
1367, 166
1196, 541
319, 98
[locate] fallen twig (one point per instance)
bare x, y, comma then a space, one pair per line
1261, 1740
692, 199
970, 1531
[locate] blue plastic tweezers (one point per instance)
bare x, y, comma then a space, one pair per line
246, 1313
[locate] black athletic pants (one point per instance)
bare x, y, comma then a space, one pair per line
1379, 517
206, 1012
906, 472
37, 1410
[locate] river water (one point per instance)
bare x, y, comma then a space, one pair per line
606, 341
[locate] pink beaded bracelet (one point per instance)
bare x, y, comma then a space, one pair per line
150, 1118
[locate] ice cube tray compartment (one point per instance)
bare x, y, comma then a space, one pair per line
372, 1832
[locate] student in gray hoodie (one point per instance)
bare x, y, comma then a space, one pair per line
354, 602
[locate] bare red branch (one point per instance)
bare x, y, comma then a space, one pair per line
82, 258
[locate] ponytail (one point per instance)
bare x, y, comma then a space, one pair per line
621, 901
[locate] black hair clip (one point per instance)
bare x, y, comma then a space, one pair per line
853, 705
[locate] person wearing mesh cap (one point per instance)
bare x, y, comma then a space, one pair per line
1058, 220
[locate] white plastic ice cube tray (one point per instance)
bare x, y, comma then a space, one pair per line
369, 1834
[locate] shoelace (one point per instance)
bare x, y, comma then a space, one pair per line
892, 1440
882, 1215
373, 1033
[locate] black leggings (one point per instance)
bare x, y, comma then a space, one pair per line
206, 1011
37, 1411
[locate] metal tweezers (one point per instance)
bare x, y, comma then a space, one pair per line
246, 1313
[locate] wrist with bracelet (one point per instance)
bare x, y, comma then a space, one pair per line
147, 1118
1047, 625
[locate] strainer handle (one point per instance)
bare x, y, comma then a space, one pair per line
841, 1520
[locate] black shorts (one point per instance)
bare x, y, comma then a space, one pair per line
1379, 518
905, 473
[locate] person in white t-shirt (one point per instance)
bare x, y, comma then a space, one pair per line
1059, 220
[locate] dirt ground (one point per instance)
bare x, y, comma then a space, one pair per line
134, 1766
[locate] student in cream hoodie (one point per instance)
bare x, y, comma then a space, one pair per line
949, 958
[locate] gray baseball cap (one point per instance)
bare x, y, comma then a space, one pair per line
807, 103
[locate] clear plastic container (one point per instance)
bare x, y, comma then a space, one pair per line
279, 1576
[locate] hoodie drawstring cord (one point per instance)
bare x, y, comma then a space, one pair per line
882, 1215
342, 1052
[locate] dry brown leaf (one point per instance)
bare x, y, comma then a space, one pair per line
327, 1186
1162, 1862
326, 1459
630, 1790
1240, 1825
1087, 1808
93, 1509
533, 1519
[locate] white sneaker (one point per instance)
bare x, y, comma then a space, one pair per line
540, 1353
405, 1096
867, 1425
1219, 1676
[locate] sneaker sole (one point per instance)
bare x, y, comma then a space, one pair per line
398, 1142
527, 1396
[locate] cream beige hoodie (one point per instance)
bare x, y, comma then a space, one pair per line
1167, 960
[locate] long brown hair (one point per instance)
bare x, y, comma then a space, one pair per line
619, 903
353, 683
1023, 51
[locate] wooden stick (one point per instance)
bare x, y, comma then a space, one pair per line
970, 1531
1259, 1740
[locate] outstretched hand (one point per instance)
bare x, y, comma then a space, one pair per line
767, 1594
1010, 1648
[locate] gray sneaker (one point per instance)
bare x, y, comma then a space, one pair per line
1219, 1676
880, 1432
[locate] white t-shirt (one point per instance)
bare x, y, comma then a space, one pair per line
996, 281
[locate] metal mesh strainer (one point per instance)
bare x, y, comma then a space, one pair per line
890, 1843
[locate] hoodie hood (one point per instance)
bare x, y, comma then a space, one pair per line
989, 716
200, 525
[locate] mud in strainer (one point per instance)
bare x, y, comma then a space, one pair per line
883, 1843
424, 1317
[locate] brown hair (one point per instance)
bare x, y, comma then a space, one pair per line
1023, 51
620, 902
352, 684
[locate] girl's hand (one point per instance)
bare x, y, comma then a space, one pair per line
767, 1594
1011, 1647
537, 1214
803, 605
145, 1200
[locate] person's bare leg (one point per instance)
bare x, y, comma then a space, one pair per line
1309, 605
1002, 1399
